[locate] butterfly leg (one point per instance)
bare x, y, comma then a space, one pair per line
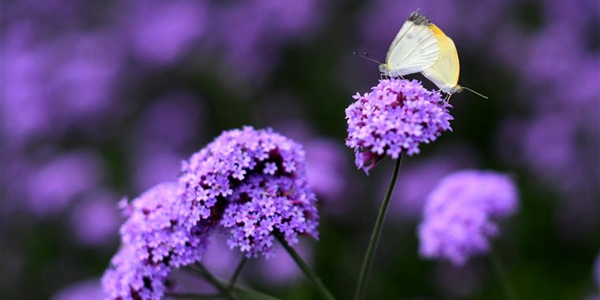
447, 99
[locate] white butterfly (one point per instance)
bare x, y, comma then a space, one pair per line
422, 47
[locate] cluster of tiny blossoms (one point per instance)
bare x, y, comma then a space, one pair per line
253, 183
153, 242
265, 203
250, 184
395, 117
459, 214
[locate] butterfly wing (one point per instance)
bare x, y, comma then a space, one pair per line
414, 48
445, 71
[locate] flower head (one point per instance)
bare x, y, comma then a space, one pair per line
395, 117
153, 241
253, 184
459, 214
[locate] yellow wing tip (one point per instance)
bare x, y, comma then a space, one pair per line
436, 30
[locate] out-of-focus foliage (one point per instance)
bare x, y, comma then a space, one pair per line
101, 100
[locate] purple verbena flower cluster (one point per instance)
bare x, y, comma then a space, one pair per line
253, 182
153, 241
460, 212
395, 117
264, 204
249, 184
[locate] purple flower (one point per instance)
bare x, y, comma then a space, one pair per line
161, 33
251, 34
96, 219
53, 85
153, 241
395, 117
253, 182
59, 182
459, 214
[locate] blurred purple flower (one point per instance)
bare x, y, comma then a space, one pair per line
556, 149
548, 146
253, 33
57, 183
459, 214
162, 33
96, 220
395, 117
51, 86
247, 176
85, 71
561, 138
83, 290
154, 240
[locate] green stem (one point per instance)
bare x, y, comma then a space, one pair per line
497, 268
306, 269
237, 272
366, 266
223, 290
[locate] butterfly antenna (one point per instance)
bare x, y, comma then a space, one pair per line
367, 57
476, 93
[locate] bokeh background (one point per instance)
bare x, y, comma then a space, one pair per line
103, 99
